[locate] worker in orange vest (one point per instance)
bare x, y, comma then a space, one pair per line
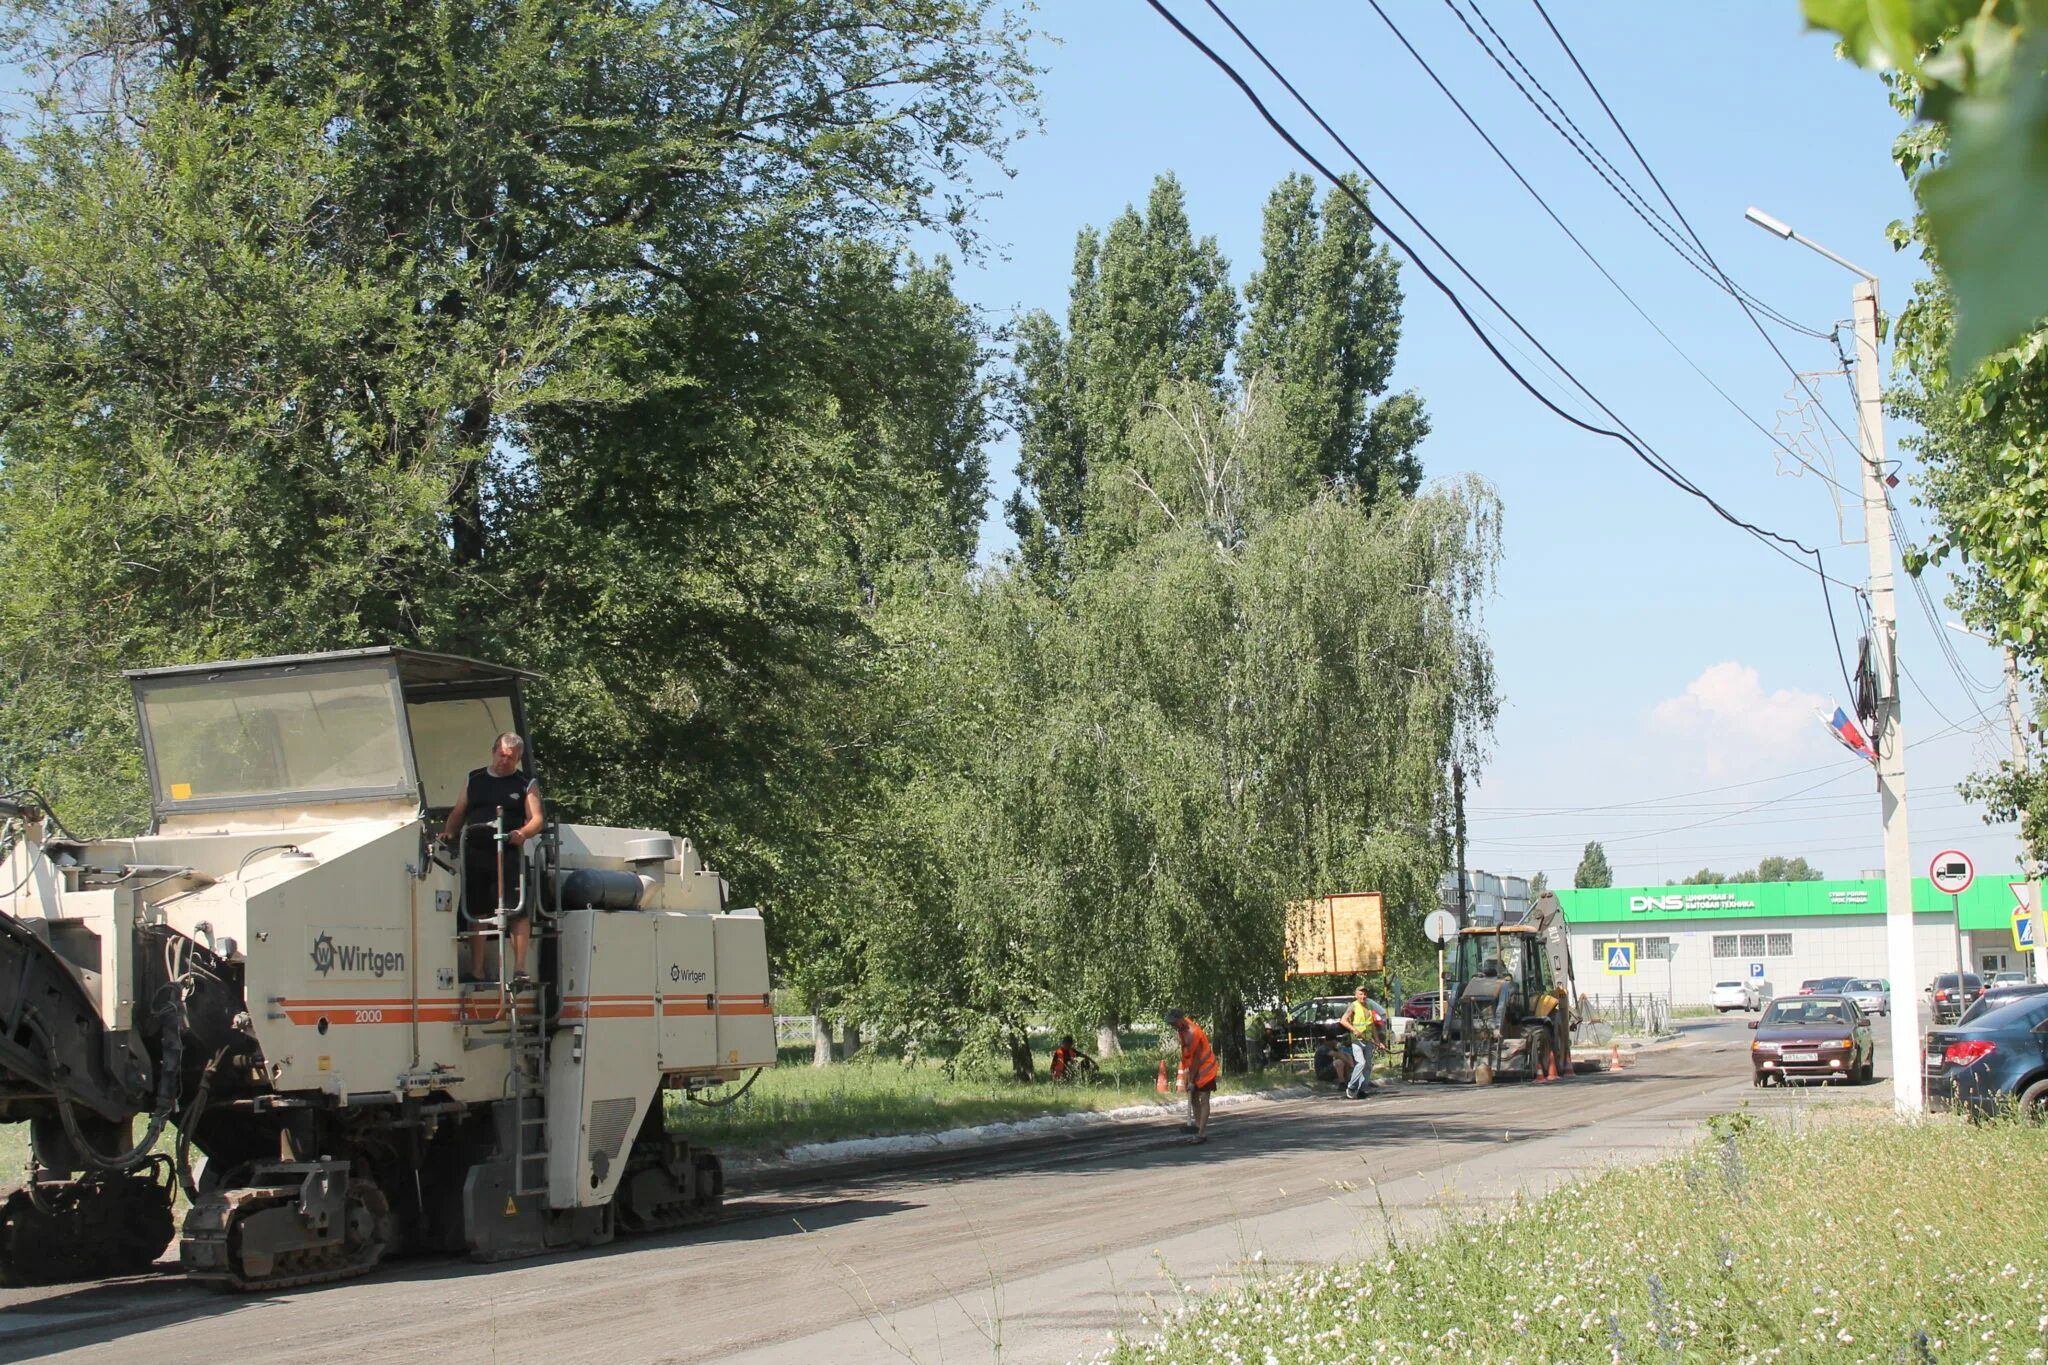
1198, 1063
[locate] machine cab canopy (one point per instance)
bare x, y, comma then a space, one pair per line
314, 729
1516, 957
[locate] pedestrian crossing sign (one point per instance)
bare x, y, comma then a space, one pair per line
2026, 929
1619, 956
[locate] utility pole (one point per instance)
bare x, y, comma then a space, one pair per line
1458, 805
1887, 734
2018, 721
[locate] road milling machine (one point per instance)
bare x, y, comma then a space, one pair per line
262, 999
1512, 1007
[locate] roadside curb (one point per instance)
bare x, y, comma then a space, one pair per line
823, 1162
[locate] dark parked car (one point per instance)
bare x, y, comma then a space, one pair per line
1997, 997
1822, 1037
1294, 1034
1423, 1005
1824, 985
1997, 1059
1950, 999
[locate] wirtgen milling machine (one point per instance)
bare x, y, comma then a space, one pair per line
270, 979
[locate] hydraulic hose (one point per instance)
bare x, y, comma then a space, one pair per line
733, 1098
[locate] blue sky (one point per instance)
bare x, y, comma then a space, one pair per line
1653, 658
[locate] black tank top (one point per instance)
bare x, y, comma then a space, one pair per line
488, 794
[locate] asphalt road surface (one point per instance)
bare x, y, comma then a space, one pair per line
1031, 1256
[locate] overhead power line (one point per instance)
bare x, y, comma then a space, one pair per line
1586, 251
1640, 448
1624, 189
1742, 300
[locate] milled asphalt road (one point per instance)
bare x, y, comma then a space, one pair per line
1027, 1256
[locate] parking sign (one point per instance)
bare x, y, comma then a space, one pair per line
1756, 971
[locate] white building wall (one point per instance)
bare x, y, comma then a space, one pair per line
1831, 945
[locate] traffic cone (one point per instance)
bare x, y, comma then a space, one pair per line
1162, 1075
1181, 1082
1614, 1057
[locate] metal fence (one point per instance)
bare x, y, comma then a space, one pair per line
1633, 1012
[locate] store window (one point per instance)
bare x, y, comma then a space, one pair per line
1752, 945
1780, 945
1725, 945
1657, 949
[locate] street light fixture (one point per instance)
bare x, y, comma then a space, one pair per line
1778, 228
1886, 734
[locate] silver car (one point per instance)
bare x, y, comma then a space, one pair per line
1871, 995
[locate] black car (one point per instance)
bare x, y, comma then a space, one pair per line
1998, 997
1295, 1033
1950, 998
1813, 1037
1995, 1060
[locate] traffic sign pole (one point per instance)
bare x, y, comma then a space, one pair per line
1952, 871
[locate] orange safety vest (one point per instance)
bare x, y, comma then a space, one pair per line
1061, 1059
1197, 1058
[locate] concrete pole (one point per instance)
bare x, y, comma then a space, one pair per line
2018, 721
1888, 735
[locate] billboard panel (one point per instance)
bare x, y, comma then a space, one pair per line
1337, 935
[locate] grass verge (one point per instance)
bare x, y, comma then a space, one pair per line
878, 1094
1851, 1239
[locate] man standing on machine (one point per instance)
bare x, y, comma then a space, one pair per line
501, 797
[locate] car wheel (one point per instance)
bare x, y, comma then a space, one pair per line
2033, 1103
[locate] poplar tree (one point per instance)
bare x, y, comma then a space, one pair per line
1325, 324
1593, 871
1150, 304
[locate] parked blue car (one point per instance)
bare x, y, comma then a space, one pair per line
1996, 1060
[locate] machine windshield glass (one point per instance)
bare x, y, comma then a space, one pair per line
1492, 955
262, 738
451, 737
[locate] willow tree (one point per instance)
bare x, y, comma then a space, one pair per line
1268, 681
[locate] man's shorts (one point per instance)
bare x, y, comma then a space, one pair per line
1205, 1089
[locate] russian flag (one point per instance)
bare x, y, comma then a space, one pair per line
1844, 729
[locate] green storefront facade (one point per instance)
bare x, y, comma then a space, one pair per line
1987, 904
1686, 939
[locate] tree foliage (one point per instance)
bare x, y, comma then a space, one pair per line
1978, 72
568, 333
1593, 871
1771, 869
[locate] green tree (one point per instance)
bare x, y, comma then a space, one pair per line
1706, 876
1539, 883
1777, 869
1978, 73
1324, 323
1150, 304
552, 331
1593, 870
